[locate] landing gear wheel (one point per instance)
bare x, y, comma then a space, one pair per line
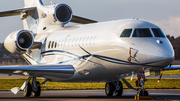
27, 90
140, 93
109, 89
120, 91
38, 92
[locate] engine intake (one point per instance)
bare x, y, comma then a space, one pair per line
24, 40
63, 13
19, 41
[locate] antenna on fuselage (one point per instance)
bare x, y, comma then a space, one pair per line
51, 2
136, 18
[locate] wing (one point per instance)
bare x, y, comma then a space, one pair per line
46, 71
75, 19
16, 12
173, 67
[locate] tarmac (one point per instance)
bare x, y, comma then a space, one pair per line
88, 95
91, 95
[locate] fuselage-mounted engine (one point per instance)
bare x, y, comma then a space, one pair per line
63, 13
19, 42
59, 14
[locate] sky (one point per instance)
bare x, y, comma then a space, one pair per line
163, 13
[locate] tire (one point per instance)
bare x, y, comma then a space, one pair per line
109, 89
38, 92
145, 93
119, 92
27, 90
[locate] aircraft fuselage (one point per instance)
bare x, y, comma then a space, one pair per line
99, 53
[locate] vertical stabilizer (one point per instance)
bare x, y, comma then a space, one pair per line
32, 3
32, 21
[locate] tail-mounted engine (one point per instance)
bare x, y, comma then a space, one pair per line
63, 13
19, 41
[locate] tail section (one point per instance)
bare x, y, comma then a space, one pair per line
38, 18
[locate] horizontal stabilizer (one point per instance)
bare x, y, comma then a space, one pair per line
16, 12
77, 19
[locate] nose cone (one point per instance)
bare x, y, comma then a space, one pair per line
164, 56
157, 54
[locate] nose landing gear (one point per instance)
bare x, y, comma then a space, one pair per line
141, 82
141, 92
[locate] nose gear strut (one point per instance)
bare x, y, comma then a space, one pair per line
141, 82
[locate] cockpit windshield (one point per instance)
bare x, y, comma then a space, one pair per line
126, 33
157, 32
142, 32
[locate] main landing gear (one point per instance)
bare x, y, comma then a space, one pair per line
114, 88
33, 89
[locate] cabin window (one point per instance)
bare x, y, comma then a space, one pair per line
126, 33
69, 44
49, 44
87, 40
94, 40
142, 32
55, 45
62, 43
91, 40
76, 41
52, 44
72, 42
59, 44
158, 32
83, 42
66, 43
80, 41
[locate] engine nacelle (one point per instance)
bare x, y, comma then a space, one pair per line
63, 13
19, 42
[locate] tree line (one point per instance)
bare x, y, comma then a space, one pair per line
176, 45
6, 58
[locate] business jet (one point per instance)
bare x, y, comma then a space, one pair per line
88, 52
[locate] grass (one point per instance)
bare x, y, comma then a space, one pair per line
169, 72
163, 84
7, 84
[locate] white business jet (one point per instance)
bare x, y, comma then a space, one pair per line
89, 52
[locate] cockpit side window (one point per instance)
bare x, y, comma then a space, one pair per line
157, 32
126, 33
142, 32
